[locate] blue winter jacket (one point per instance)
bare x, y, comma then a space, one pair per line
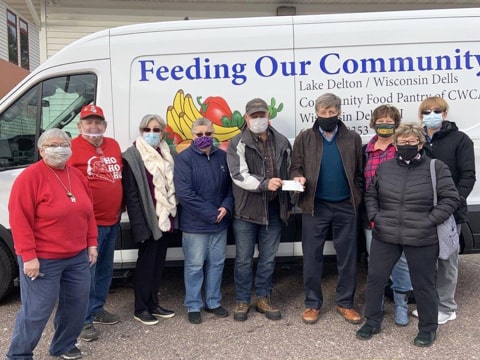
203, 185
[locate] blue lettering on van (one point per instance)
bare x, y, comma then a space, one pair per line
267, 66
333, 63
200, 69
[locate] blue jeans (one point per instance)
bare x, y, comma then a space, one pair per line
101, 272
64, 280
246, 235
204, 255
401, 276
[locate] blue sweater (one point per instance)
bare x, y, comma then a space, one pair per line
202, 185
332, 183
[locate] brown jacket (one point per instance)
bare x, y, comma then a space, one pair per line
307, 155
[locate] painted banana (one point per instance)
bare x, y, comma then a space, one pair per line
179, 101
224, 133
190, 108
173, 120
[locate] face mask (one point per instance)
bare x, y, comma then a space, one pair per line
407, 152
385, 130
92, 135
57, 156
432, 120
328, 124
203, 142
258, 125
152, 138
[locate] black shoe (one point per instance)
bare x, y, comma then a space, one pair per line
367, 331
424, 338
218, 311
194, 317
105, 318
73, 354
146, 318
163, 313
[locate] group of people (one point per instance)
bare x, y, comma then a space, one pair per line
65, 211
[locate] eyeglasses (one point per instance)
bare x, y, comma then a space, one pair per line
408, 142
436, 111
55, 145
147, 129
207, 133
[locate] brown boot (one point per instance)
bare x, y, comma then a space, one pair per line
241, 311
264, 306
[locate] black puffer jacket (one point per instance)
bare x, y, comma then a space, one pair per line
455, 149
400, 201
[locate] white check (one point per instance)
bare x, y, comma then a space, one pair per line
291, 185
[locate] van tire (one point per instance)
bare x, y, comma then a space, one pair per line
8, 269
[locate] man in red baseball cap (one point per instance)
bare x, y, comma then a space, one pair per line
100, 160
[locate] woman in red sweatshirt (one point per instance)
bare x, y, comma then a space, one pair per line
55, 238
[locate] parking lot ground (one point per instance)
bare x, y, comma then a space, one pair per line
260, 338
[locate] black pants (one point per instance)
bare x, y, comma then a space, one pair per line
341, 217
422, 264
148, 273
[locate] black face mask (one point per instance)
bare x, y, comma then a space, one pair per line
407, 152
385, 130
327, 124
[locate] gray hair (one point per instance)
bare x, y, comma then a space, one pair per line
201, 122
328, 100
409, 129
50, 134
149, 117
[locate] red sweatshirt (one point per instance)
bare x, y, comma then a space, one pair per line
45, 223
103, 169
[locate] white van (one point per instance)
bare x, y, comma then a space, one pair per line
173, 68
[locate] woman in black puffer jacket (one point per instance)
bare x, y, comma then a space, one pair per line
399, 203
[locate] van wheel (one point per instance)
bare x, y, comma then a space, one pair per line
8, 270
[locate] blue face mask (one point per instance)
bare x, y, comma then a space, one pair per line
152, 138
433, 120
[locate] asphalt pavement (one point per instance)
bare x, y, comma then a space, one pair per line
260, 338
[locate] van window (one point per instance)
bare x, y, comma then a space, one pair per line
53, 103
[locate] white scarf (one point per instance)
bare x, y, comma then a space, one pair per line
161, 168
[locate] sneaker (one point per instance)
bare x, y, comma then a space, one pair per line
89, 333
264, 306
72, 354
105, 318
241, 311
195, 317
443, 317
163, 313
146, 318
218, 311
367, 331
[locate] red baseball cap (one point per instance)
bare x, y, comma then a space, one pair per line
91, 110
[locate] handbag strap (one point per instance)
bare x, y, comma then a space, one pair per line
433, 175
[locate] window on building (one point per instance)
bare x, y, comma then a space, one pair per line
24, 51
18, 50
12, 37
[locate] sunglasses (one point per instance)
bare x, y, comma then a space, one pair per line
208, 133
147, 129
436, 111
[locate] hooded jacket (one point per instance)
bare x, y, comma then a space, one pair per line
248, 172
455, 149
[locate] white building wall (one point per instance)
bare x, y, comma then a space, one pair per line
70, 20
